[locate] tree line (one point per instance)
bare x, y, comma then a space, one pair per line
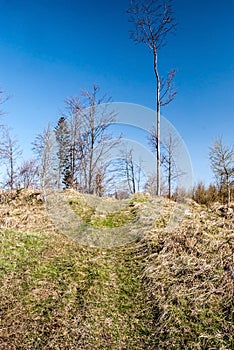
76, 153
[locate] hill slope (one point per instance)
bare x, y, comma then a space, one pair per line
172, 289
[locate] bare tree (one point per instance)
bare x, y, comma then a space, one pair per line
10, 153
153, 20
222, 163
94, 140
130, 170
151, 185
170, 151
44, 149
29, 174
108, 177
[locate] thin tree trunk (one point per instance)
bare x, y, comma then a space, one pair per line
228, 193
133, 178
169, 179
158, 120
158, 147
90, 184
170, 165
12, 170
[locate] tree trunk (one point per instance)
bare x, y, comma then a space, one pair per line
169, 178
228, 192
158, 167
11, 170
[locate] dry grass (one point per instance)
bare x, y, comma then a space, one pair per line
24, 210
189, 274
172, 289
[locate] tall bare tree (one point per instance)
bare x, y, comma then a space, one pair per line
222, 163
95, 140
153, 20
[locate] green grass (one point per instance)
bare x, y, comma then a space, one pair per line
82, 209
116, 219
57, 295
104, 219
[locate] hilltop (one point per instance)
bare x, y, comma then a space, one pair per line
168, 286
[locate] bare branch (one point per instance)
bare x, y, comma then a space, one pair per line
152, 21
167, 88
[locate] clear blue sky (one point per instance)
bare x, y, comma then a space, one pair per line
49, 50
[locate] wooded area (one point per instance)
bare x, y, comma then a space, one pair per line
76, 153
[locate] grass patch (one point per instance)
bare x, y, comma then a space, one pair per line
102, 219
82, 209
57, 295
116, 219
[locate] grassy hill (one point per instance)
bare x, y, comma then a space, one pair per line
172, 288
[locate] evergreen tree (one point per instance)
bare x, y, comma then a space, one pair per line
63, 153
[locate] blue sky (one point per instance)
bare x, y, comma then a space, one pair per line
49, 50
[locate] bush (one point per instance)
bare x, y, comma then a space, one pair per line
205, 196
